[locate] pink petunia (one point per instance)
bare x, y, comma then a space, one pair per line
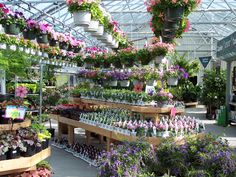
21, 91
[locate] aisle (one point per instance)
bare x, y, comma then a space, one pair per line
228, 133
65, 165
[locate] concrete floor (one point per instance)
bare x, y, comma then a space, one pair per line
65, 165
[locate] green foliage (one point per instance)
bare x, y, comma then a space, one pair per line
44, 164
15, 63
214, 88
192, 67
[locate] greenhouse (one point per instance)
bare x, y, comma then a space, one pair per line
117, 88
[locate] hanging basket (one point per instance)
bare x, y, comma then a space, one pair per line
30, 35
113, 83
82, 18
13, 29
172, 81
53, 43
124, 83
42, 39
93, 26
99, 31
167, 39
174, 13
63, 45
173, 25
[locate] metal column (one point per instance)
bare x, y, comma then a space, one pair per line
41, 92
228, 90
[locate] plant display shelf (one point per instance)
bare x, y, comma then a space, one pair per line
110, 135
24, 163
145, 111
8, 127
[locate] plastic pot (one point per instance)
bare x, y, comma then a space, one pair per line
173, 25
125, 83
13, 153
53, 42
42, 38
82, 18
172, 81
30, 35
150, 82
77, 49
63, 45
174, 13
45, 144
31, 150
13, 29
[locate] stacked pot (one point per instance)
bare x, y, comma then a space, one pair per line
84, 19
173, 18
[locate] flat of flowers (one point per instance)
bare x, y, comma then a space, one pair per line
139, 109
23, 163
7, 127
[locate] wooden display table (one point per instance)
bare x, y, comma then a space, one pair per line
145, 111
110, 135
8, 127
24, 163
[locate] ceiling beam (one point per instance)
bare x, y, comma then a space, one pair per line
196, 11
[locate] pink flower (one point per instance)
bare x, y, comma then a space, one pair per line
21, 91
45, 28
185, 1
174, 1
187, 27
2, 5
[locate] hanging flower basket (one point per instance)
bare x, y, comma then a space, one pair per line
93, 26
173, 25
82, 18
53, 43
174, 13
63, 45
13, 29
113, 83
172, 81
125, 83
150, 82
30, 35
42, 39
99, 32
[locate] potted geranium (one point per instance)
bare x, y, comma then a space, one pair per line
53, 38
13, 22
81, 11
30, 29
42, 34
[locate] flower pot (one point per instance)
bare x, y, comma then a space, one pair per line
31, 150
51, 131
172, 81
113, 83
124, 83
13, 153
21, 49
169, 33
167, 39
99, 31
3, 157
38, 149
30, 35
3, 46
174, 13
27, 50
82, 18
150, 82
63, 45
76, 49
45, 144
93, 26
158, 59
42, 38
116, 45
53, 42
173, 25
12, 47
13, 29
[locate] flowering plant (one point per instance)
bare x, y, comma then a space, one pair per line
21, 91
158, 10
162, 95
80, 5
10, 17
127, 56
31, 25
44, 28
176, 72
152, 74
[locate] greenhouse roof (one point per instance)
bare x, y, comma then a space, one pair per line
214, 19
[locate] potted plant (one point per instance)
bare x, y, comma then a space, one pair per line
162, 98
42, 33
63, 41
53, 38
3, 150
13, 22
30, 29
151, 76
81, 11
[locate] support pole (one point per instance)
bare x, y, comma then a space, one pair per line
2, 82
41, 93
228, 90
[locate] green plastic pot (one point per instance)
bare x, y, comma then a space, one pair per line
12, 29
42, 39
30, 35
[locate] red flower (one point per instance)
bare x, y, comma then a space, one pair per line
6, 11
138, 88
